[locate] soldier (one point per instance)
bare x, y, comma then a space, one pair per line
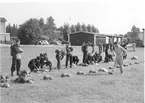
59, 56
44, 61
106, 49
34, 64
120, 52
16, 57
69, 57
100, 47
85, 53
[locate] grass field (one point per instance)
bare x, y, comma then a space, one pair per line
92, 88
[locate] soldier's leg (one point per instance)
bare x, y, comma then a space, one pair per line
114, 66
18, 65
121, 69
49, 64
58, 64
83, 57
66, 62
71, 60
121, 64
77, 61
13, 67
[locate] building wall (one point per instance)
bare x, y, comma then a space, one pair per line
102, 40
4, 37
78, 39
2, 27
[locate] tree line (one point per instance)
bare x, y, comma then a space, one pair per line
135, 35
34, 30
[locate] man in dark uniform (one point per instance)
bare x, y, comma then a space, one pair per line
34, 64
104, 45
85, 53
100, 47
106, 50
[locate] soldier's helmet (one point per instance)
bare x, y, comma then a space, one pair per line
57, 51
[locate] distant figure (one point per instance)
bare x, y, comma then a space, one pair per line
134, 46
91, 54
104, 45
100, 47
85, 52
119, 53
16, 57
111, 47
106, 49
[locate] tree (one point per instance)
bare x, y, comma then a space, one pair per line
84, 28
94, 29
89, 28
78, 27
50, 27
12, 30
73, 29
64, 31
29, 31
134, 33
135, 29
41, 23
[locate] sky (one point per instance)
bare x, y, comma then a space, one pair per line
109, 16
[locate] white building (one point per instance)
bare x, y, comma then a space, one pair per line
4, 37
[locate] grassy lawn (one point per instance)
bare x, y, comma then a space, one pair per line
91, 88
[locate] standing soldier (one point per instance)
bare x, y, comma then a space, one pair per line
85, 53
119, 53
69, 57
59, 56
100, 47
104, 47
16, 57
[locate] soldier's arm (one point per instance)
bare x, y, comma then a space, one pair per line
124, 50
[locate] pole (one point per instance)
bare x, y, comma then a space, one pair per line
69, 30
143, 36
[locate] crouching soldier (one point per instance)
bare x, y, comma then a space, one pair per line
44, 61
34, 64
75, 60
69, 57
59, 56
16, 57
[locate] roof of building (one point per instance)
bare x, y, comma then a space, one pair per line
98, 34
2, 19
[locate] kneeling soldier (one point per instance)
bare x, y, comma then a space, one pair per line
34, 64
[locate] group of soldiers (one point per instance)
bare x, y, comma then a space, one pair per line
115, 49
88, 57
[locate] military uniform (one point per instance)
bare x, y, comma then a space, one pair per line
85, 53
69, 57
16, 58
